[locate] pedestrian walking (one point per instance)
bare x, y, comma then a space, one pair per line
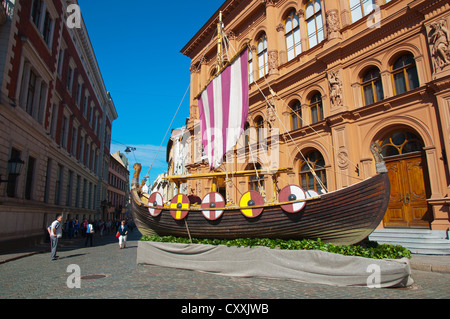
55, 232
122, 232
89, 233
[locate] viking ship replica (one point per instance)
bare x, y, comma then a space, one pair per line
346, 216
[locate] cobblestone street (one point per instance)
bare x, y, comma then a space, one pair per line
36, 277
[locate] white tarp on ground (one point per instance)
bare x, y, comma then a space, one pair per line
305, 266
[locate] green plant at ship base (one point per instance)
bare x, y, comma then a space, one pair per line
366, 249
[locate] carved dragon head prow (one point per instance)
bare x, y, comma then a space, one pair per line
137, 171
379, 161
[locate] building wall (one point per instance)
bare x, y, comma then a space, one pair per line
335, 67
63, 135
118, 189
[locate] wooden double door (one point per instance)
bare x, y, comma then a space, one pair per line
408, 207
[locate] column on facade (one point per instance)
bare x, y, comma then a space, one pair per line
272, 42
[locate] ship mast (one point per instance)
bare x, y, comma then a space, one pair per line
219, 44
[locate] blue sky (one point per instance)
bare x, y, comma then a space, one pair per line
137, 45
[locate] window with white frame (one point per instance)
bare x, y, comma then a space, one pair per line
361, 8
33, 92
263, 62
73, 146
314, 22
85, 105
43, 20
60, 61
79, 92
70, 75
64, 132
293, 38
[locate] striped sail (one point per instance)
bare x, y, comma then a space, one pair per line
223, 108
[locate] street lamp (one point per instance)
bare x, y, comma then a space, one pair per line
14, 168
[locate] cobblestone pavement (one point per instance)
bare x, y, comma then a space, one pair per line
36, 277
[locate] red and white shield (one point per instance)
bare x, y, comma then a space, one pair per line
292, 193
155, 200
250, 199
213, 200
179, 207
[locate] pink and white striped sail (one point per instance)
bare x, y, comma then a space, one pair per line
223, 108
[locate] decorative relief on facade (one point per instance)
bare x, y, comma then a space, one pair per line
336, 92
439, 40
271, 116
269, 2
342, 158
273, 62
333, 24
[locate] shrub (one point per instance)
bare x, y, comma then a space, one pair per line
366, 249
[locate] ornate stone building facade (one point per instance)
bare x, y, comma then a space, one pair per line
334, 77
55, 117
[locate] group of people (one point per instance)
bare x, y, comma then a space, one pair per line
72, 228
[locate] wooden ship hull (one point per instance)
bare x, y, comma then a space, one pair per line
343, 217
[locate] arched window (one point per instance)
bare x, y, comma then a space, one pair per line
259, 125
316, 162
372, 86
404, 72
213, 73
314, 22
263, 62
250, 66
400, 143
296, 115
361, 8
293, 39
316, 108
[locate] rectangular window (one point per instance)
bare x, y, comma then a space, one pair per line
73, 146
47, 180
47, 30
60, 61
36, 12
77, 192
30, 178
70, 80
58, 186
31, 92
11, 188
64, 129
69, 190
79, 91
85, 107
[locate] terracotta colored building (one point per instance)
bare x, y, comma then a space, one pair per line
56, 117
118, 188
345, 74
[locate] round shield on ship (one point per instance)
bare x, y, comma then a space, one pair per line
249, 200
155, 200
213, 200
179, 207
292, 193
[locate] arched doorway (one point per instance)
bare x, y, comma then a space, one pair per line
406, 162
